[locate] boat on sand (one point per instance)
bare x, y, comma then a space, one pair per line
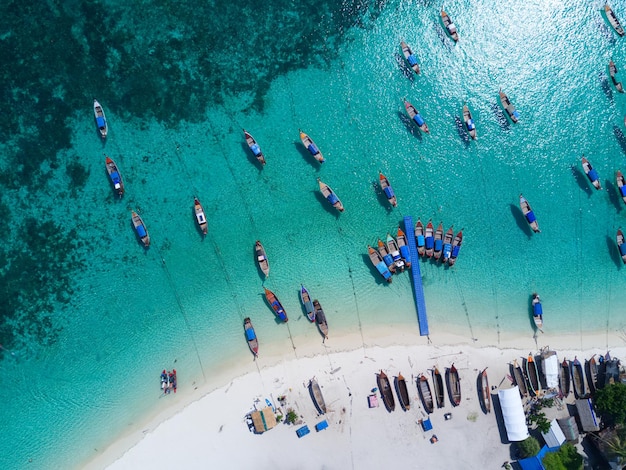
253, 342
484, 392
532, 374
454, 385
438, 388
564, 378
425, 394
578, 378
402, 392
320, 319
316, 396
518, 376
385, 391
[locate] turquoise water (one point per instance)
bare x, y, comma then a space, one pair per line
89, 318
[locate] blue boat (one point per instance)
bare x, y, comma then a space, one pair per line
537, 311
591, 173
447, 245
311, 147
387, 258
114, 176
101, 120
438, 241
308, 303
456, 247
410, 57
419, 238
276, 305
404, 248
140, 229
429, 239
415, 115
254, 147
378, 262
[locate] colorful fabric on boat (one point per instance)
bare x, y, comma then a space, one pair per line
382, 269
333, 199
115, 177
537, 310
593, 175
404, 251
531, 217
389, 192
622, 249
455, 251
622, 190
141, 230
412, 60
438, 244
313, 149
420, 240
101, 122
250, 334
256, 150
470, 124
515, 114
430, 242
418, 119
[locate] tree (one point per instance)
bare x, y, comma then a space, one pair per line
292, 417
610, 402
566, 458
529, 447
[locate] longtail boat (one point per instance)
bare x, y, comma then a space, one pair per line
387, 189
261, 258
429, 239
484, 393
529, 214
537, 311
254, 147
591, 369
532, 374
438, 388
140, 229
101, 120
330, 195
316, 396
621, 184
276, 305
447, 245
402, 392
320, 319
387, 258
385, 391
114, 176
379, 263
449, 25
564, 378
454, 385
305, 298
613, 21
518, 375
612, 73
404, 248
591, 173
311, 147
200, 216
578, 378
508, 107
415, 115
621, 244
469, 122
425, 394
410, 57
253, 342
419, 238
456, 247
438, 242
394, 251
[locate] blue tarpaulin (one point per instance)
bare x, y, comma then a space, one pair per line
389, 192
419, 120
250, 334
427, 425
332, 198
255, 149
534, 463
412, 60
321, 426
313, 149
141, 230
101, 122
593, 175
303, 431
531, 217
538, 309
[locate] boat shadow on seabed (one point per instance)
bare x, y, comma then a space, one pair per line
581, 180
520, 220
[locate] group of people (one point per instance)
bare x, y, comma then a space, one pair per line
168, 381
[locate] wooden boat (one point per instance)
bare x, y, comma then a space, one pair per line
320, 319
276, 305
330, 195
101, 120
425, 394
410, 57
253, 342
529, 214
419, 238
537, 311
508, 107
469, 122
394, 251
438, 388
402, 392
254, 147
591, 173
316, 396
308, 303
484, 390
621, 244
114, 176
578, 378
387, 189
447, 245
404, 248
200, 217
454, 385
438, 241
449, 25
613, 21
519, 379
416, 116
387, 258
456, 247
379, 263
564, 378
140, 229
532, 374
261, 258
591, 369
311, 147
612, 73
429, 239
385, 391
621, 185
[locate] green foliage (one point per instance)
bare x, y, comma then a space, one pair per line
292, 417
529, 447
541, 421
279, 418
610, 402
567, 458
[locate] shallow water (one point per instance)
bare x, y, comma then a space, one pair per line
89, 318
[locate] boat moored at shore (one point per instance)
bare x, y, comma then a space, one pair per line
438, 241
429, 239
378, 262
403, 392
578, 378
316, 395
438, 388
320, 319
537, 311
426, 396
420, 239
454, 385
394, 251
385, 391
404, 248
447, 245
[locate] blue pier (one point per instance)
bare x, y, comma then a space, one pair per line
418, 289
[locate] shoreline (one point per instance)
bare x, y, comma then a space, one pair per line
353, 364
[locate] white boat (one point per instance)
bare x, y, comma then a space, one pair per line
410, 57
101, 120
450, 26
469, 122
254, 147
591, 173
261, 258
529, 214
200, 216
416, 116
613, 21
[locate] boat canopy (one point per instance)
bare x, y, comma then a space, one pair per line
101, 122
420, 240
250, 334
593, 174
141, 230
332, 198
313, 149
513, 414
412, 60
256, 150
389, 192
530, 216
419, 120
537, 310
470, 124
550, 367
382, 269
622, 249
115, 177
515, 113
430, 242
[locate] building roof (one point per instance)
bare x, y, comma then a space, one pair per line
513, 414
263, 420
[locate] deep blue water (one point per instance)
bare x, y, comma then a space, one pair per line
89, 318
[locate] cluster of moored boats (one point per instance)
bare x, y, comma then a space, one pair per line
435, 396
557, 378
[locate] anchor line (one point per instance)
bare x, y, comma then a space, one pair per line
460, 291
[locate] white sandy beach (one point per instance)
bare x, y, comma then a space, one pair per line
207, 427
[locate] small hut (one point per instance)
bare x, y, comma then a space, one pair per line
263, 420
